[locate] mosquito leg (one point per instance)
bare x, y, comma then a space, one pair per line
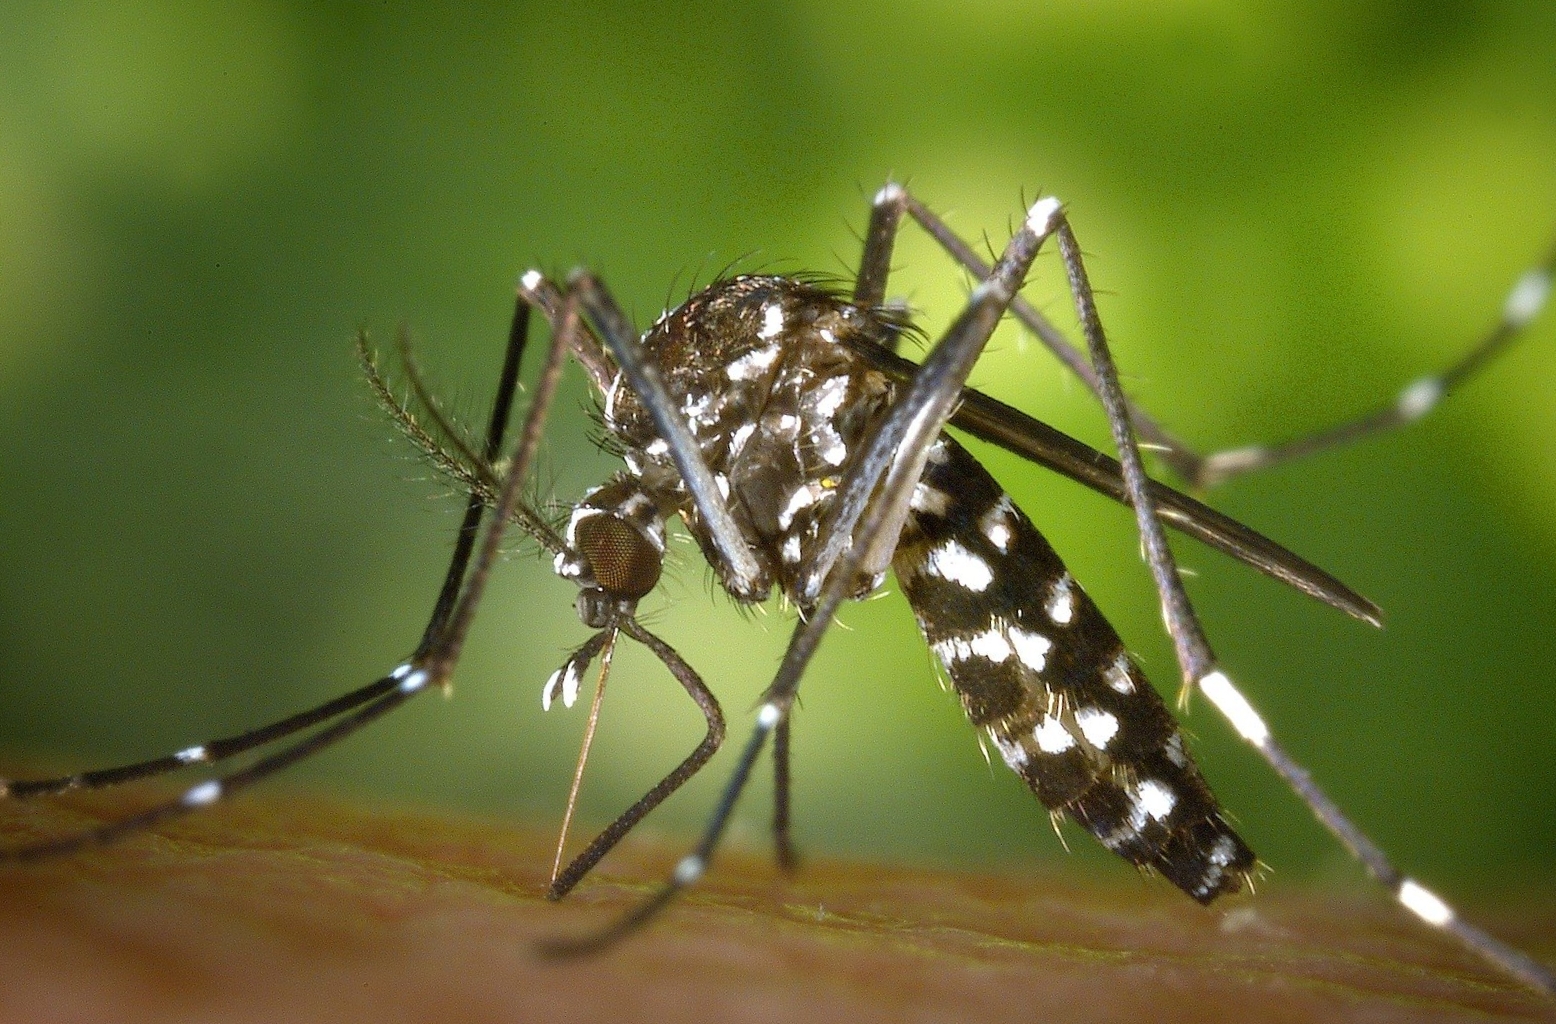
1199, 666
1037, 442
783, 841
587, 347
886, 211
1524, 302
440, 648
690, 868
1051, 337
913, 422
208, 752
507, 384
1010, 428
374, 699
396, 688
581, 865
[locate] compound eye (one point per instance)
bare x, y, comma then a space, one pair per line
625, 563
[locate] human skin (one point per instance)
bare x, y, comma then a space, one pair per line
278, 907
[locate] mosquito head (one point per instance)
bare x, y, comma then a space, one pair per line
615, 550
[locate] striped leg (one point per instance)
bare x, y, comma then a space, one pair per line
1525, 301
333, 720
1200, 668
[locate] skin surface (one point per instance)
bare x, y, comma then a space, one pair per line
279, 907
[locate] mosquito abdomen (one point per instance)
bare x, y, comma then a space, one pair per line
1046, 678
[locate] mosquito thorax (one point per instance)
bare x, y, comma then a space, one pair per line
761, 369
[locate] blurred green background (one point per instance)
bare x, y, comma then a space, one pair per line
1291, 210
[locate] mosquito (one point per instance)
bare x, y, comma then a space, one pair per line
773, 417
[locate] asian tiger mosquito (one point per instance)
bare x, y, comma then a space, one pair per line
774, 417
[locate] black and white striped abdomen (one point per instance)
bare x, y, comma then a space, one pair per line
1044, 675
